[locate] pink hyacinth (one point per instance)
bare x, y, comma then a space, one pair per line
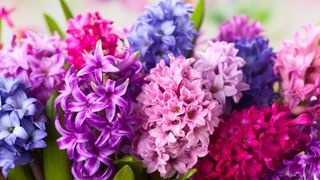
37, 60
176, 117
221, 71
298, 64
83, 33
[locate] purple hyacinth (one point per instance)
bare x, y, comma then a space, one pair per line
305, 165
98, 113
22, 124
237, 28
257, 72
163, 29
37, 60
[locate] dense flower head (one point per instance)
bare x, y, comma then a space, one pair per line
175, 118
305, 165
298, 64
163, 29
37, 60
220, 68
251, 142
22, 124
238, 28
257, 71
83, 33
98, 115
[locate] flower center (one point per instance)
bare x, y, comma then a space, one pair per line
176, 109
10, 129
175, 122
244, 140
213, 89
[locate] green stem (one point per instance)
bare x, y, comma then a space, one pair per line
36, 168
55, 162
21, 172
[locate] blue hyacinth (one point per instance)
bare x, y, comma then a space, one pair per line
258, 72
164, 29
22, 125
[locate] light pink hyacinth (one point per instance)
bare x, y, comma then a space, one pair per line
38, 60
221, 71
176, 118
298, 65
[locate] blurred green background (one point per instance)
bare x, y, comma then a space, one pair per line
279, 18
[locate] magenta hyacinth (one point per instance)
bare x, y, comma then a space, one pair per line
83, 33
98, 113
238, 28
37, 60
221, 70
175, 118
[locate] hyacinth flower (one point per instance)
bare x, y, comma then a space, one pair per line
22, 125
250, 143
164, 28
306, 164
97, 102
175, 118
37, 60
297, 65
239, 28
221, 70
82, 34
257, 72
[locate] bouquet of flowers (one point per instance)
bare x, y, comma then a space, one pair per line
152, 102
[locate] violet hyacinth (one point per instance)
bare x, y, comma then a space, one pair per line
257, 72
238, 28
37, 60
163, 29
305, 165
22, 125
98, 113
176, 117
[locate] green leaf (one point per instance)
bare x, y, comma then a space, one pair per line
20, 172
198, 14
55, 162
136, 166
66, 10
188, 174
53, 26
125, 173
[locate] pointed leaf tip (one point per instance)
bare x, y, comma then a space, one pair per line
188, 174
198, 14
124, 173
53, 26
66, 10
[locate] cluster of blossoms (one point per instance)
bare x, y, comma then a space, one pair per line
238, 28
175, 118
22, 125
221, 70
37, 60
252, 142
83, 33
164, 29
98, 114
257, 72
298, 64
305, 165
